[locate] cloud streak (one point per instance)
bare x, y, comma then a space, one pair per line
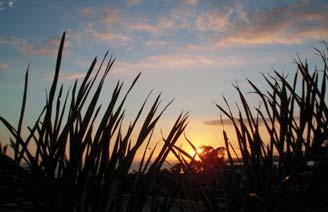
24, 46
191, 2
186, 62
232, 25
4, 66
295, 23
72, 76
133, 2
45, 47
228, 122
214, 20
119, 39
88, 11
11, 3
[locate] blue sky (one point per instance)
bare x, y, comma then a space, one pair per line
191, 50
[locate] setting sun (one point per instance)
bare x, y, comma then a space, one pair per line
198, 151
195, 154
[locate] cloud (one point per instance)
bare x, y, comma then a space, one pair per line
232, 25
179, 18
49, 45
72, 76
133, 2
119, 39
228, 25
185, 62
23, 46
52, 42
156, 43
116, 38
214, 20
4, 66
11, 3
111, 15
295, 23
228, 122
67, 76
117, 25
88, 11
145, 26
192, 2
110, 26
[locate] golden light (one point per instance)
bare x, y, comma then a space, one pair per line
199, 150
192, 153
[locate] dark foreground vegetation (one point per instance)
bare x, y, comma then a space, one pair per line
78, 158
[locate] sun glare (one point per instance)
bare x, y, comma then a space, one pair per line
192, 152
199, 150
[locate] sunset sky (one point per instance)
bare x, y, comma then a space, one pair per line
190, 50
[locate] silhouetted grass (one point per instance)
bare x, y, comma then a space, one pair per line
295, 116
280, 168
67, 162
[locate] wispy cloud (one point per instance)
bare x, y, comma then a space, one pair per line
8, 3
4, 66
145, 26
214, 20
192, 2
111, 15
65, 76
185, 62
52, 42
119, 39
11, 3
178, 18
133, 2
23, 46
1, 5
228, 122
295, 23
47, 46
88, 11
116, 38
108, 27
72, 76
156, 43
230, 24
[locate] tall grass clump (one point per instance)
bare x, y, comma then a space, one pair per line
70, 162
285, 165
279, 160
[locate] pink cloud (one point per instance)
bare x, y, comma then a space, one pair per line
294, 23
111, 15
24, 46
71, 76
156, 43
116, 38
145, 26
214, 20
192, 2
185, 62
88, 11
4, 66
